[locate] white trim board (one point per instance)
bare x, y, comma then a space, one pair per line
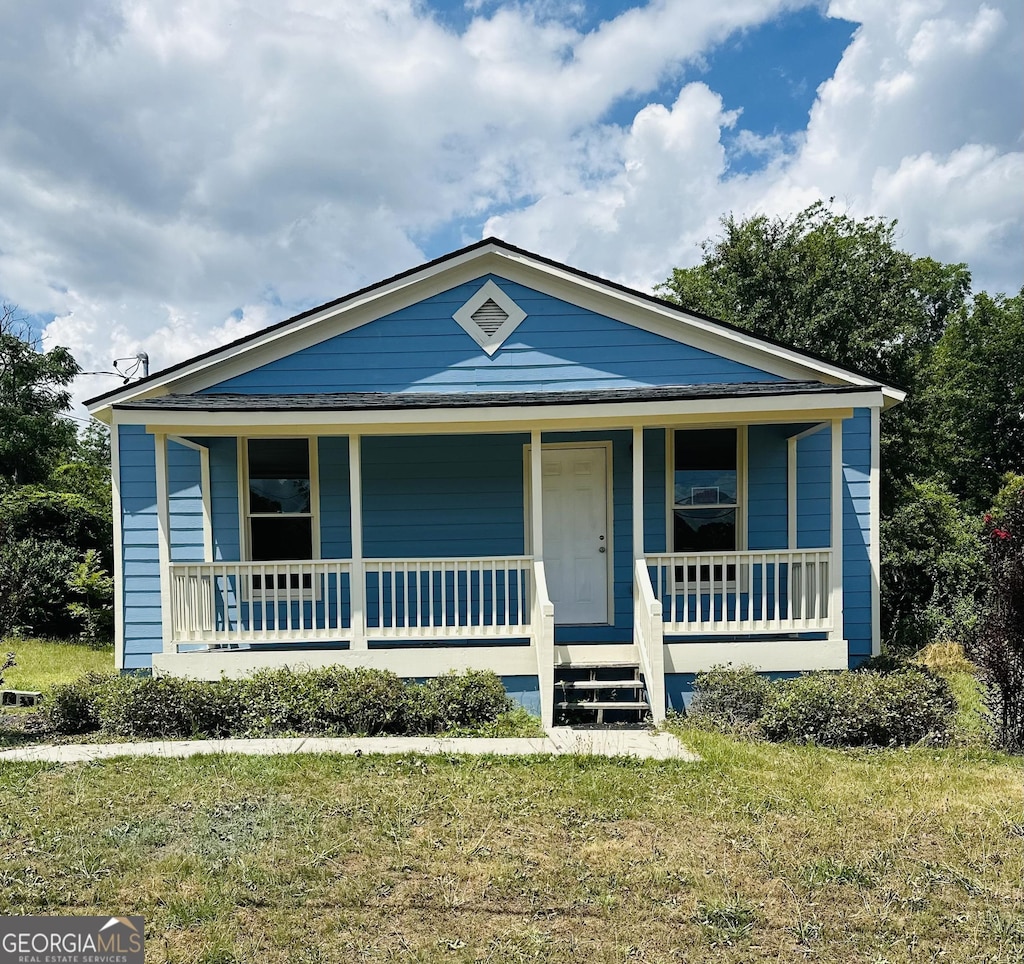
605, 299
810, 407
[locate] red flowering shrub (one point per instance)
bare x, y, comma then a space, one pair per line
998, 643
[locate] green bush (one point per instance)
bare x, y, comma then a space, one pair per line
73, 708
147, 706
860, 709
457, 700
333, 701
34, 587
730, 698
366, 702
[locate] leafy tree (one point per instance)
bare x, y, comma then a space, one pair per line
34, 435
837, 287
55, 522
826, 283
974, 430
998, 644
932, 567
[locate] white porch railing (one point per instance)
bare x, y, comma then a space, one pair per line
221, 603
649, 636
242, 602
754, 592
448, 598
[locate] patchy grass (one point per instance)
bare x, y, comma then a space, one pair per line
758, 853
972, 725
44, 663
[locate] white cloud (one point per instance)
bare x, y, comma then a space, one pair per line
162, 165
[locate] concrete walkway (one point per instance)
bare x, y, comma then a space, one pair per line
641, 744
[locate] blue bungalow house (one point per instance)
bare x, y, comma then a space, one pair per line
497, 461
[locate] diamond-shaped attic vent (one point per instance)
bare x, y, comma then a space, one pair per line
489, 317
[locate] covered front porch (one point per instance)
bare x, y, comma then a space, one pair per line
552, 573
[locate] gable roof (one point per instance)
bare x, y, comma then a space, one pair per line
490, 255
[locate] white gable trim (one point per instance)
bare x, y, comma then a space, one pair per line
597, 296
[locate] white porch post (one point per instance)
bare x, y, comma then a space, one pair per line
638, 492
358, 577
648, 629
837, 529
875, 549
791, 507
542, 630
163, 541
536, 497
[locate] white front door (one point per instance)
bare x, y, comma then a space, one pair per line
577, 530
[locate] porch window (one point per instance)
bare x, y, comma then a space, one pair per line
705, 496
280, 504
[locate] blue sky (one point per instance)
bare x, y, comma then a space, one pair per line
173, 176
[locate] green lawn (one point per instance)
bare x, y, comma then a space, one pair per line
43, 663
758, 853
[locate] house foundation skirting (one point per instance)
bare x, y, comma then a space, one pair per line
769, 656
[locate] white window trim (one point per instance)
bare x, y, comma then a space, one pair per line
244, 515
741, 504
489, 292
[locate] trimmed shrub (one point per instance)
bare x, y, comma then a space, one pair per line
366, 702
333, 701
282, 701
73, 708
148, 706
457, 700
730, 698
860, 709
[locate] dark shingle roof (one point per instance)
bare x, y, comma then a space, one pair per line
357, 401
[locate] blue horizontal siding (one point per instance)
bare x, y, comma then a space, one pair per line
141, 603
767, 506
655, 495
857, 534
185, 503
814, 490
478, 510
335, 512
224, 497
557, 346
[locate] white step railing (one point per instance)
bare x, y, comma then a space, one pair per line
753, 592
242, 602
448, 598
543, 639
649, 637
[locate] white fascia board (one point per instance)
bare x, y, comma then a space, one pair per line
623, 306
809, 407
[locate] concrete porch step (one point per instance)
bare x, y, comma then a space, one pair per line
604, 705
601, 684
